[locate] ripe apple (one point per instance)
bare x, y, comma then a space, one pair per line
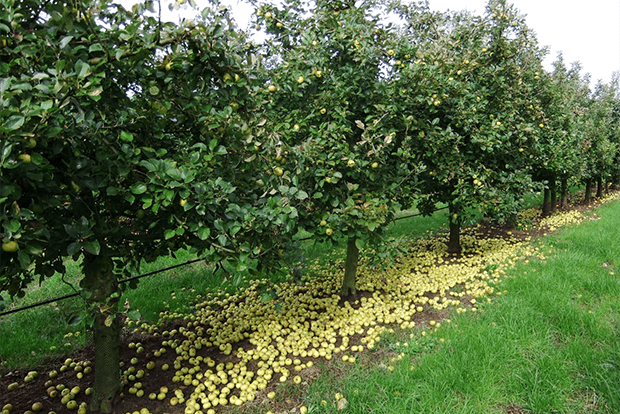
374, 165
329, 231
272, 88
278, 171
350, 163
300, 79
296, 127
183, 202
318, 74
323, 223
25, 158
10, 247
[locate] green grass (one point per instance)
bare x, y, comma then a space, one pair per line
550, 345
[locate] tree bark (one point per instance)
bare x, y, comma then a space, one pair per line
454, 243
546, 207
350, 269
554, 196
599, 188
101, 281
564, 193
588, 194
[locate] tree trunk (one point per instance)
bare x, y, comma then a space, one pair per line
454, 243
588, 195
554, 195
564, 193
599, 188
546, 207
100, 280
350, 269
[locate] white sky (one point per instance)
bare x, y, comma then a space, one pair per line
584, 31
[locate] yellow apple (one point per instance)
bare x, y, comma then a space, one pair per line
10, 247
272, 88
374, 165
329, 231
278, 171
25, 158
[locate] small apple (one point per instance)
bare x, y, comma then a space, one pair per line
391, 52
37, 406
10, 247
374, 165
183, 202
318, 74
72, 405
227, 77
25, 158
350, 163
278, 171
300, 79
31, 143
323, 223
323, 111
296, 127
272, 88
329, 231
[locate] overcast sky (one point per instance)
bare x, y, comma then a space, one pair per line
584, 31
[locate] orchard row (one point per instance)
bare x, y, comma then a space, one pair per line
124, 138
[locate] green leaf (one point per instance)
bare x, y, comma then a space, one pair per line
24, 259
134, 315
65, 41
170, 233
301, 195
76, 320
204, 233
153, 90
359, 243
14, 122
138, 188
92, 247
82, 68
73, 248
126, 136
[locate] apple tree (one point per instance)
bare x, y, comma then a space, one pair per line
325, 99
601, 137
124, 138
558, 105
463, 95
